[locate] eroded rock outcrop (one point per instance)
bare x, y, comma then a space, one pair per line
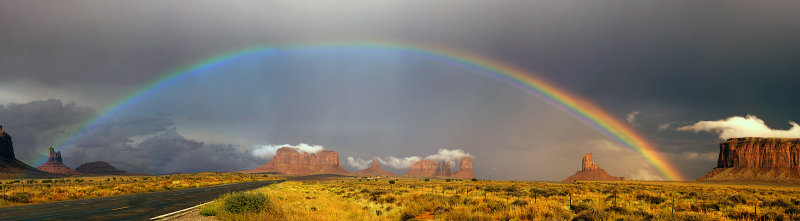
757, 158
6, 146
10, 166
291, 161
465, 169
374, 170
55, 164
590, 171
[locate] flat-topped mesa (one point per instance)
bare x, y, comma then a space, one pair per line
374, 170
425, 168
431, 168
590, 171
291, 161
464, 169
757, 158
55, 164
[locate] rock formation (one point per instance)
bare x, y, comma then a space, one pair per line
425, 168
590, 171
465, 169
756, 158
6, 146
374, 170
290, 161
430, 168
100, 168
54, 164
10, 166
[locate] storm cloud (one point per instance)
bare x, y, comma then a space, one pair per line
640, 62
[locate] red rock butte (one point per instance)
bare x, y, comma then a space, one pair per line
55, 164
757, 159
102, 168
291, 161
590, 171
374, 170
430, 168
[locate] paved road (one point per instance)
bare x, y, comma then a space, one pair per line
141, 206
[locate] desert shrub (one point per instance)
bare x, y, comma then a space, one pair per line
742, 215
519, 203
617, 210
473, 179
210, 209
18, 198
737, 199
580, 207
246, 202
792, 210
778, 203
772, 216
426, 179
591, 215
651, 199
391, 181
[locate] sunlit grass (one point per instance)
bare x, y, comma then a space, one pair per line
19, 192
359, 199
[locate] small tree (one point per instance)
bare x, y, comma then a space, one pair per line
426, 179
473, 179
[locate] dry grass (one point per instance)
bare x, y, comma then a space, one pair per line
354, 199
19, 192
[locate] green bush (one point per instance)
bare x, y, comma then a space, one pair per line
246, 202
391, 181
473, 179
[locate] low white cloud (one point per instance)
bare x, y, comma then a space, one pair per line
748, 126
405, 162
663, 127
709, 156
267, 151
399, 163
449, 155
632, 117
358, 163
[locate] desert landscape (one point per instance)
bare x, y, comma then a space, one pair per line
399, 110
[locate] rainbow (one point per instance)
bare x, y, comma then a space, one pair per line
579, 108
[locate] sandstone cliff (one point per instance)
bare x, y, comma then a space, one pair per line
756, 158
465, 169
425, 168
590, 171
290, 161
430, 168
55, 164
374, 170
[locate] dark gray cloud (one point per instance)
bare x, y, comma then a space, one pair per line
676, 63
151, 144
36, 125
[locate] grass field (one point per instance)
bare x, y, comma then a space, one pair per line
19, 192
408, 199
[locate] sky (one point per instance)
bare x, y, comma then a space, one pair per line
684, 75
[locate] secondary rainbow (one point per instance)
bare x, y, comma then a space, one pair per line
579, 108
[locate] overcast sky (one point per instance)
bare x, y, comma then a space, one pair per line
658, 65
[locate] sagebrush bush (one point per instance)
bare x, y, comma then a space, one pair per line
242, 202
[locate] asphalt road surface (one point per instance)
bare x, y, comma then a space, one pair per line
142, 206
